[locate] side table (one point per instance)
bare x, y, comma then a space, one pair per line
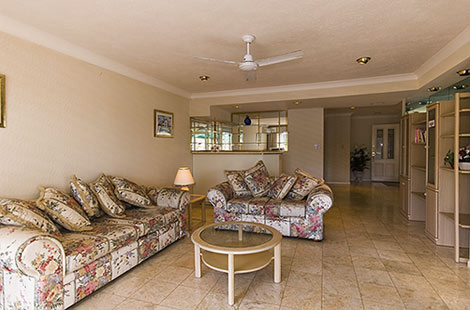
195, 199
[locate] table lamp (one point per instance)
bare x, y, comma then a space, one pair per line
184, 178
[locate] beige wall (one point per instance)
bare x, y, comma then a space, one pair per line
305, 132
208, 169
361, 132
337, 146
65, 116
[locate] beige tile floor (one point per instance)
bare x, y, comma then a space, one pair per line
371, 258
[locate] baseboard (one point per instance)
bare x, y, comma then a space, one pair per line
339, 183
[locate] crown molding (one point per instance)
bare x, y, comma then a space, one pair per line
450, 48
308, 86
32, 34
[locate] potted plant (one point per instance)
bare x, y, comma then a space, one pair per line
464, 158
359, 159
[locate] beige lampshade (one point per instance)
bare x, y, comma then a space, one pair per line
184, 177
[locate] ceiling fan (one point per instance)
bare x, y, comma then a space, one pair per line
249, 65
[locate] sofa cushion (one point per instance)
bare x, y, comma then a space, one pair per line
304, 184
104, 191
85, 247
17, 212
281, 186
257, 179
85, 197
247, 205
146, 220
287, 208
235, 178
130, 192
63, 209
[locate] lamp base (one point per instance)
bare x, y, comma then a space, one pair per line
185, 188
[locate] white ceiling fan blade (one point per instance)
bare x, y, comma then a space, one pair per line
230, 62
249, 75
280, 58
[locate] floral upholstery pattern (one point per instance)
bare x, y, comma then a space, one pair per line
304, 184
41, 271
85, 197
104, 191
281, 186
173, 198
130, 192
293, 218
257, 179
235, 178
17, 212
63, 209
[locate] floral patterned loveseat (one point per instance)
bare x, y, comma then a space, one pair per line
42, 271
293, 216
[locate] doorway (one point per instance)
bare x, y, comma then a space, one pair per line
385, 153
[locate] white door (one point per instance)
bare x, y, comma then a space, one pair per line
385, 153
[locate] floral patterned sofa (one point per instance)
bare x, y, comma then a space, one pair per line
43, 271
293, 216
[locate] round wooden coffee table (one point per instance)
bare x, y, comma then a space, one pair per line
237, 247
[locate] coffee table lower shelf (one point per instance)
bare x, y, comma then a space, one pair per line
243, 263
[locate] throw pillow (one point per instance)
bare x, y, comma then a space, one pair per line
104, 191
304, 184
63, 209
85, 197
235, 178
152, 192
257, 179
24, 213
281, 186
130, 192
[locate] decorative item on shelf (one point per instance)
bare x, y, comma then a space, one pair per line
215, 148
420, 136
464, 158
247, 121
359, 158
449, 159
163, 124
184, 178
2, 101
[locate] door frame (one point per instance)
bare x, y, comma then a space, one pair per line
396, 153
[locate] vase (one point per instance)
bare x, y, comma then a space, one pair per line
358, 176
247, 121
464, 166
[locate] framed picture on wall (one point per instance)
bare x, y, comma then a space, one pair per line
2, 101
163, 124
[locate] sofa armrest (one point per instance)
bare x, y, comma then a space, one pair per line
319, 200
31, 252
171, 197
220, 194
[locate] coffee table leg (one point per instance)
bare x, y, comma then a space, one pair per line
231, 280
277, 263
197, 261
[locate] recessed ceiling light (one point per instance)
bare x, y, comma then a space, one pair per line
297, 102
463, 86
237, 107
434, 89
422, 103
363, 60
204, 77
353, 108
463, 72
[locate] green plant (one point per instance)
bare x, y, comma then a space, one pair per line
449, 159
359, 158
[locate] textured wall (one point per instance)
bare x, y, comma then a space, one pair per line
337, 146
305, 130
65, 116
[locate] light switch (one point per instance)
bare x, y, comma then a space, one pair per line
316, 146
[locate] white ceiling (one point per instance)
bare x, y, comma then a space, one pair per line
159, 38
